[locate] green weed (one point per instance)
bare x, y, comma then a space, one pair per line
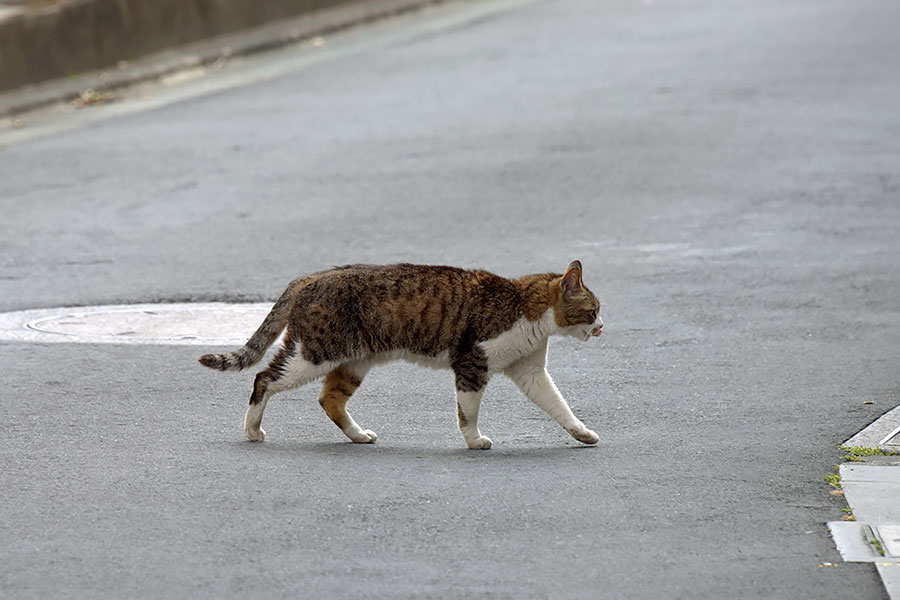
856, 453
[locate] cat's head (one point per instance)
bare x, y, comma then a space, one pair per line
576, 309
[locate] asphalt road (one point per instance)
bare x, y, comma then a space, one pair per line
728, 172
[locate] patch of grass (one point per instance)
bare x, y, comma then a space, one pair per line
876, 543
856, 453
834, 480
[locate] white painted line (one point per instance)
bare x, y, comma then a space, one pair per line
878, 432
887, 438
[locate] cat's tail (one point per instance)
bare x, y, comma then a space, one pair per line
259, 342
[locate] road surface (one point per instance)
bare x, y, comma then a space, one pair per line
727, 172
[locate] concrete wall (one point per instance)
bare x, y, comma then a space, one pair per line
83, 35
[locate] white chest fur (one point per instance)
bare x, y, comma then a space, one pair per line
522, 339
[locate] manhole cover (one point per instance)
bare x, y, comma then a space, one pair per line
198, 324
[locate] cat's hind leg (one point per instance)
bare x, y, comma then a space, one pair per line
287, 370
338, 387
258, 399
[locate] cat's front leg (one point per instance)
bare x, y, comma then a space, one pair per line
471, 370
536, 383
467, 407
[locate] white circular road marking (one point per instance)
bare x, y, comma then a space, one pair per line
210, 324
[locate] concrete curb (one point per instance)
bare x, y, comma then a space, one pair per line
80, 35
17, 48
882, 433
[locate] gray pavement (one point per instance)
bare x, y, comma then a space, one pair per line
726, 171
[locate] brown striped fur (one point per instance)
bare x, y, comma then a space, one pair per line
339, 385
354, 312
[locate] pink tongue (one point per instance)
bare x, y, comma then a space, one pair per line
596, 332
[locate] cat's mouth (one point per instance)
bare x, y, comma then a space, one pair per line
595, 332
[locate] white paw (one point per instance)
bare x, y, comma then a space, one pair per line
366, 436
585, 436
255, 435
480, 443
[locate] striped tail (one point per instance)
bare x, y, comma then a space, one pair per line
259, 342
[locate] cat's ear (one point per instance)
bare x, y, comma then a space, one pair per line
571, 283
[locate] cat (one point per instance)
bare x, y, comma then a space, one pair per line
340, 322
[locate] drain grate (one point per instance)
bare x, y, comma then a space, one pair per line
182, 323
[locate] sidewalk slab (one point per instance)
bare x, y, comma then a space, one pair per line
890, 576
859, 542
872, 489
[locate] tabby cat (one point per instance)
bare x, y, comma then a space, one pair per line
341, 322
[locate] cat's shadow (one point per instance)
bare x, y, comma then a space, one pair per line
382, 451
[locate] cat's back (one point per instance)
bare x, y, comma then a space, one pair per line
420, 308
392, 283
431, 294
